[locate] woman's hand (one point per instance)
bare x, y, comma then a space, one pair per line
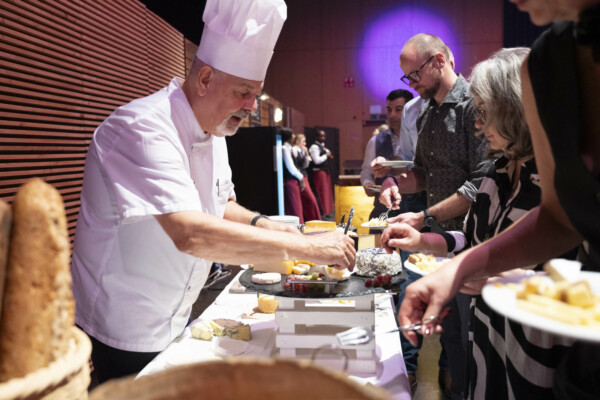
401, 236
427, 297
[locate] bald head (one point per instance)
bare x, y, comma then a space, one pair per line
426, 45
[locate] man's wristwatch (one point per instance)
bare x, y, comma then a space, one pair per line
429, 219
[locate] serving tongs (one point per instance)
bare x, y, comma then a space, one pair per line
363, 335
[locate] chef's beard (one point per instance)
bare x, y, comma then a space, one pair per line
229, 126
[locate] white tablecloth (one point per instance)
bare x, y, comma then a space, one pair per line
390, 374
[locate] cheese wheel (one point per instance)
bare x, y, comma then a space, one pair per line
267, 278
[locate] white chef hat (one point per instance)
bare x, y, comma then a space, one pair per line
239, 35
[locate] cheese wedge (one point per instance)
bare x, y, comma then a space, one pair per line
301, 269
267, 304
202, 330
318, 226
560, 269
282, 267
231, 328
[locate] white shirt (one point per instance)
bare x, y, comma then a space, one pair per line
408, 131
289, 161
315, 153
133, 289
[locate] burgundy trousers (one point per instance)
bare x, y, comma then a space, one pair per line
301, 203
323, 188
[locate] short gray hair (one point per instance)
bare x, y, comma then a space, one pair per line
497, 81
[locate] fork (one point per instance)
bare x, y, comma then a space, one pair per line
363, 335
384, 216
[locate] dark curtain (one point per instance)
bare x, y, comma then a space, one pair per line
519, 31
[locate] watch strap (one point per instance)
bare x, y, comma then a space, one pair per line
256, 218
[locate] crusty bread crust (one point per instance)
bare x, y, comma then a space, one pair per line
38, 311
5, 224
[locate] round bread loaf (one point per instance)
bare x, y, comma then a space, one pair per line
373, 262
38, 312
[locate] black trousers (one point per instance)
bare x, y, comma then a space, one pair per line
110, 363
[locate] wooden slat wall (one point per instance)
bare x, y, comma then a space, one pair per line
64, 66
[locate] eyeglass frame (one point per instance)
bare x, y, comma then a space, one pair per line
480, 114
407, 78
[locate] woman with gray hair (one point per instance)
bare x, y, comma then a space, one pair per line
500, 350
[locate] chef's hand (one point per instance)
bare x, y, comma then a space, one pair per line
427, 297
401, 236
379, 171
416, 220
331, 248
389, 194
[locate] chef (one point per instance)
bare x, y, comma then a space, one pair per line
158, 204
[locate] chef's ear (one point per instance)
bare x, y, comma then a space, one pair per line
205, 76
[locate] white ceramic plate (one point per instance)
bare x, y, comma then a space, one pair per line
366, 225
413, 268
396, 163
503, 301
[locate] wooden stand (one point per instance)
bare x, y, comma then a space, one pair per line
305, 325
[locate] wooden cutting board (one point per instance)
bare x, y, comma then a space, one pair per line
5, 225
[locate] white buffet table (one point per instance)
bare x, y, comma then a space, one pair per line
390, 374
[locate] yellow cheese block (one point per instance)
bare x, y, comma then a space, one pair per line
283, 267
230, 328
267, 304
319, 226
369, 241
580, 294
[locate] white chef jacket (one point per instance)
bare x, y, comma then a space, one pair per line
133, 289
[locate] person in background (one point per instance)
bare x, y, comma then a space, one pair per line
158, 205
450, 162
509, 189
299, 198
564, 124
302, 161
385, 146
321, 156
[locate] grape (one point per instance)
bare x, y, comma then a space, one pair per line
369, 283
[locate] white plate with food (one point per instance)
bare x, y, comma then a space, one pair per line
374, 224
424, 264
396, 163
546, 315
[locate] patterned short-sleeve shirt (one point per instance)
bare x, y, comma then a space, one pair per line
453, 158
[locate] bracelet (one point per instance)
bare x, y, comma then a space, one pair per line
256, 218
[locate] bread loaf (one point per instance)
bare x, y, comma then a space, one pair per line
5, 223
38, 312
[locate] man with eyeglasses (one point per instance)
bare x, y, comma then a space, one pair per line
449, 166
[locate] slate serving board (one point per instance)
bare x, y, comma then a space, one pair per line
353, 286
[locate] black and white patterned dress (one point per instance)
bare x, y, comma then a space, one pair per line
506, 359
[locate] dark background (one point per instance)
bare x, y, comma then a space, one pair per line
186, 17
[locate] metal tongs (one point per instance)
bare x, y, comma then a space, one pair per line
363, 335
